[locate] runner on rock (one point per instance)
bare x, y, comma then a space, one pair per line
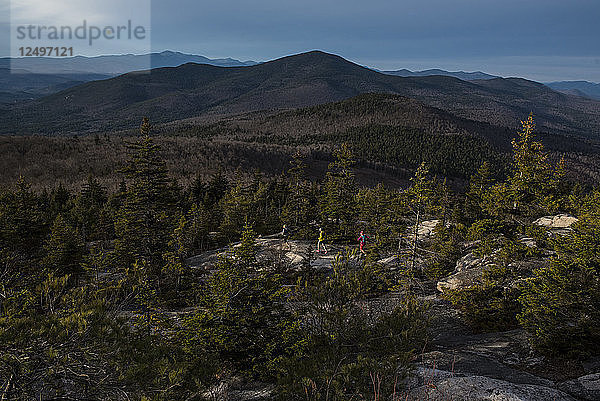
321, 241
285, 233
362, 241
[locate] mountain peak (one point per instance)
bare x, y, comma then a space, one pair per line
318, 59
316, 55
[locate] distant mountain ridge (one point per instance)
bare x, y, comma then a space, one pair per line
579, 88
113, 64
307, 79
465, 76
34, 77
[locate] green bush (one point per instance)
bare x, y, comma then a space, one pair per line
561, 302
490, 305
446, 251
242, 318
351, 343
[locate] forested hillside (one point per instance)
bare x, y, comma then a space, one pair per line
307, 79
296, 285
390, 136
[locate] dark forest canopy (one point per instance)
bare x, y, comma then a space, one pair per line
390, 136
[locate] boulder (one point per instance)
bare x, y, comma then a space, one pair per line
561, 223
426, 228
480, 388
468, 262
389, 262
462, 279
585, 387
295, 259
422, 376
528, 242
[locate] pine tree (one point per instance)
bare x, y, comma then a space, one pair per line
561, 302
59, 202
479, 186
338, 204
145, 221
216, 189
236, 207
22, 229
197, 190
247, 251
244, 319
64, 249
532, 173
298, 211
198, 228
421, 199
87, 210
175, 268
23, 225
533, 188
378, 214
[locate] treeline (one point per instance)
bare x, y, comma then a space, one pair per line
97, 300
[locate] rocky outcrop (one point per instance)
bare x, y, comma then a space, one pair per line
481, 388
390, 262
528, 242
296, 254
458, 364
585, 387
462, 279
465, 365
487, 366
426, 229
559, 224
469, 261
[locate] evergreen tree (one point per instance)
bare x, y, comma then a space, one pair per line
247, 251
64, 249
339, 356
444, 251
533, 179
198, 228
420, 200
236, 206
175, 269
298, 210
378, 214
197, 190
23, 225
338, 204
59, 202
561, 302
216, 189
88, 209
478, 192
244, 319
144, 222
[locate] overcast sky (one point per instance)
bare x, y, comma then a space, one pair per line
544, 40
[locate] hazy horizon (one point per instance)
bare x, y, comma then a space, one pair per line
412, 65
